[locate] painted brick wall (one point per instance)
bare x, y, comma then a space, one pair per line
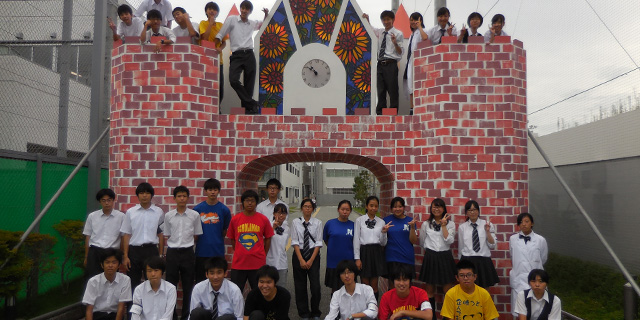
467, 139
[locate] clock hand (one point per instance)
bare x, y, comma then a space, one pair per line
314, 71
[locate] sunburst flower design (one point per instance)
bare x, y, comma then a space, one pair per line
324, 27
362, 76
274, 41
271, 77
326, 3
303, 10
352, 42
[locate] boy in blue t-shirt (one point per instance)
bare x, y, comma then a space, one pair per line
215, 218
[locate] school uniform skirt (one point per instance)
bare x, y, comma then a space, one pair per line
332, 279
373, 261
438, 267
487, 275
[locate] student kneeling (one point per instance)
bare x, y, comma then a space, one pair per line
154, 298
216, 297
353, 300
267, 301
537, 303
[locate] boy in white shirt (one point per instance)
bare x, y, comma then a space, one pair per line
185, 27
130, 26
163, 6
154, 299
107, 293
153, 28
216, 295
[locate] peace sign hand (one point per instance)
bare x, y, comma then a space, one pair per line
443, 221
487, 225
386, 227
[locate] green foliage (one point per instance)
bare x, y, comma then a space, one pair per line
71, 231
39, 249
587, 290
363, 186
18, 267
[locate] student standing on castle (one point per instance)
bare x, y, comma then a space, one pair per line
185, 27
418, 35
251, 234
182, 226
142, 237
528, 251
389, 53
338, 236
102, 231
240, 30
163, 6
208, 30
214, 218
497, 23
475, 22
443, 28
273, 190
152, 28
129, 26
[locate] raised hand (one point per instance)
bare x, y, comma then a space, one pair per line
450, 29
111, 24
487, 225
444, 220
386, 227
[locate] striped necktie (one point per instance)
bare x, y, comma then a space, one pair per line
475, 237
306, 250
214, 306
383, 46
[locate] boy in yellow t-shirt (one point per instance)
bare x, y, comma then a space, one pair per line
208, 30
467, 300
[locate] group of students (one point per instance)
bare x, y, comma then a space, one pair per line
370, 248
237, 29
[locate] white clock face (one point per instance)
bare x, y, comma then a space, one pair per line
316, 73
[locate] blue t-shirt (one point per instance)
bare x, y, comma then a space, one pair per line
214, 219
339, 239
399, 248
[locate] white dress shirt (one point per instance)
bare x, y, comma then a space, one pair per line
266, 208
390, 49
487, 35
240, 32
153, 305
179, 32
362, 235
297, 233
142, 224
230, 300
164, 7
433, 240
277, 255
363, 300
435, 34
163, 32
105, 296
465, 240
537, 305
130, 31
526, 257
104, 229
181, 227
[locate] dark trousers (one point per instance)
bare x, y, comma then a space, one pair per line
93, 262
240, 277
137, 256
300, 284
221, 86
104, 315
181, 266
243, 61
257, 315
387, 76
200, 313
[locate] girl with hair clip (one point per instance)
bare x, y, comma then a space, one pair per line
369, 239
338, 236
476, 238
436, 236
418, 34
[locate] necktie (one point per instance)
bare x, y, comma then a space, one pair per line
383, 46
371, 223
526, 238
214, 306
475, 237
436, 226
441, 35
279, 230
306, 251
408, 57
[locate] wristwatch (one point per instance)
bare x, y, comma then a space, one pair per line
350, 317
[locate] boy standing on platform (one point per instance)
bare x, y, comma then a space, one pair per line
152, 28
130, 26
389, 53
208, 31
185, 27
182, 226
162, 6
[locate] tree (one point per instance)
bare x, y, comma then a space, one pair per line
39, 249
363, 187
71, 231
14, 272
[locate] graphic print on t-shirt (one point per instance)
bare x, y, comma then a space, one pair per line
248, 235
209, 218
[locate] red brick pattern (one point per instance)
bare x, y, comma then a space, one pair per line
466, 140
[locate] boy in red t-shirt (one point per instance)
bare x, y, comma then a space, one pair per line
251, 234
405, 301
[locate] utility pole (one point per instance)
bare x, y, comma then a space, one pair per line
65, 73
437, 5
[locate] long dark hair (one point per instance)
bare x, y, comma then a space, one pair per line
369, 199
438, 203
417, 16
468, 205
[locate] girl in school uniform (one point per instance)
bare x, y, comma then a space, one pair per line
476, 238
418, 34
277, 255
338, 236
369, 239
401, 237
436, 236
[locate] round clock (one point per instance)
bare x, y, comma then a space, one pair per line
316, 73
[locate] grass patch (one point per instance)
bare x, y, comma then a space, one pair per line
587, 290
53, 299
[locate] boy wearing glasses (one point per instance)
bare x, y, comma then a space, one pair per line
354, 300
273, 190
467, 299
251, 234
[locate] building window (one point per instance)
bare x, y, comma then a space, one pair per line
286, 192
342, 191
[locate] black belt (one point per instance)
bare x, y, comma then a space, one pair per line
145, 245
181, 249
387, 61
243, 51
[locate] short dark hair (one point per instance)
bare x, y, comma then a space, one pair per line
305, 200
387, 14
216, 263
523, 215
417, 16
123, 8
497, 18
211, 5
111, 252
438, 203
154, 14
544, 276
268, 271
105, 192
345, 202
466, 264
250, 194
180, 189
343, 265
212, 184
145, 187
247, 5
475, 15
442, 11
181, 9
401, 271
280, 207
155, 263
468, 205
395, 200
274, 181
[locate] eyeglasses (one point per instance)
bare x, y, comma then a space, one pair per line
465, 275
473, 210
